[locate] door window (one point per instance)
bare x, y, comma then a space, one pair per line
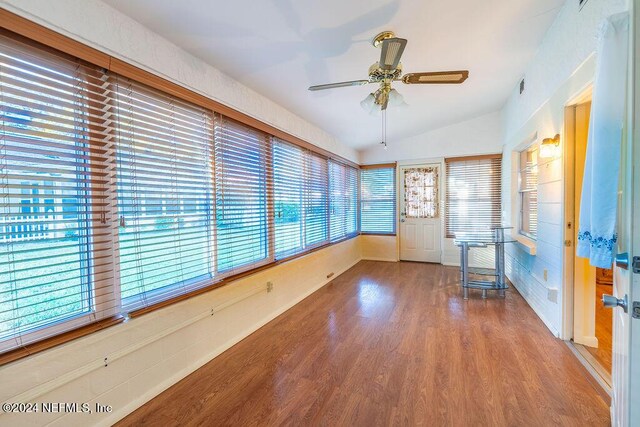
421, 192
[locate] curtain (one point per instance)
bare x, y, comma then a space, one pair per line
421, 192
598, 211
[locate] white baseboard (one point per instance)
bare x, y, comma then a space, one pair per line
173, 379
586, 341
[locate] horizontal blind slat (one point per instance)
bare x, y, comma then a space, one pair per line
165, 192
56, 160
473, 196
378, 200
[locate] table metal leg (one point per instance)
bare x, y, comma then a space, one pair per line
503, 273
499, 261
464, 261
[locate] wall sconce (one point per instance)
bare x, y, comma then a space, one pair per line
550, 147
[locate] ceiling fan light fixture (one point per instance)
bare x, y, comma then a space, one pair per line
396, 99
369, 104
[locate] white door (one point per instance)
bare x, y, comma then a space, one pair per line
420, 213
625, 399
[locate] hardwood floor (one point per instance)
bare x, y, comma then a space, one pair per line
604, 330
390, 344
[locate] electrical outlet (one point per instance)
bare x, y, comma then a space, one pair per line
552, 294
546, 274
269, 286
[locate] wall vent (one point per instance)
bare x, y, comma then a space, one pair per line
521, 86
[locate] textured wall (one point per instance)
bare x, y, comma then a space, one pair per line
143, 358
481, 135
150, 353
568, 43
563, 67
103, 27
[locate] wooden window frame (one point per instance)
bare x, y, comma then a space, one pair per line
49, 39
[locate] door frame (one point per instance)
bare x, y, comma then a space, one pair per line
569, 232
400, 188
633, 369
568, 212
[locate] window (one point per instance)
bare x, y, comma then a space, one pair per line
378, 200
343, 200
288, 196
528, 191
473, 202
420, 198
241, 155
55, 247
164, 194
316, 200
300, 199
117, 196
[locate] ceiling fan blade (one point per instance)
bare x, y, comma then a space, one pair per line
437, 77
391, 53
341, 84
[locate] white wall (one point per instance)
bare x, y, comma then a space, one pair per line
481, 135
563, 67
104, 28
148, 354
570, 40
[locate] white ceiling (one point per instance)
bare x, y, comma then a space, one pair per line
280, 47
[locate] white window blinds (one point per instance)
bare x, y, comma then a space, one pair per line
289, 197
316, 192
343, 199
473, 200
378, 200
117, 197
300, 199
55, 220
241, 175
164, 194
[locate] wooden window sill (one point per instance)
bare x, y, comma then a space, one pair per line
37, 347
526, 243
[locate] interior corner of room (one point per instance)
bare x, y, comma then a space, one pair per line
204, 221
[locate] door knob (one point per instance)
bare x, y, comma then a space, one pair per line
622, 260
609, 301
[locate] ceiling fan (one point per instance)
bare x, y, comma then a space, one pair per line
389, 69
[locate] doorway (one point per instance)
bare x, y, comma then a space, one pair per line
591, 334
420, 226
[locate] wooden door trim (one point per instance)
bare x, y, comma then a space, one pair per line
568, 159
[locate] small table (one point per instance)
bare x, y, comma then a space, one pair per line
495, 237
